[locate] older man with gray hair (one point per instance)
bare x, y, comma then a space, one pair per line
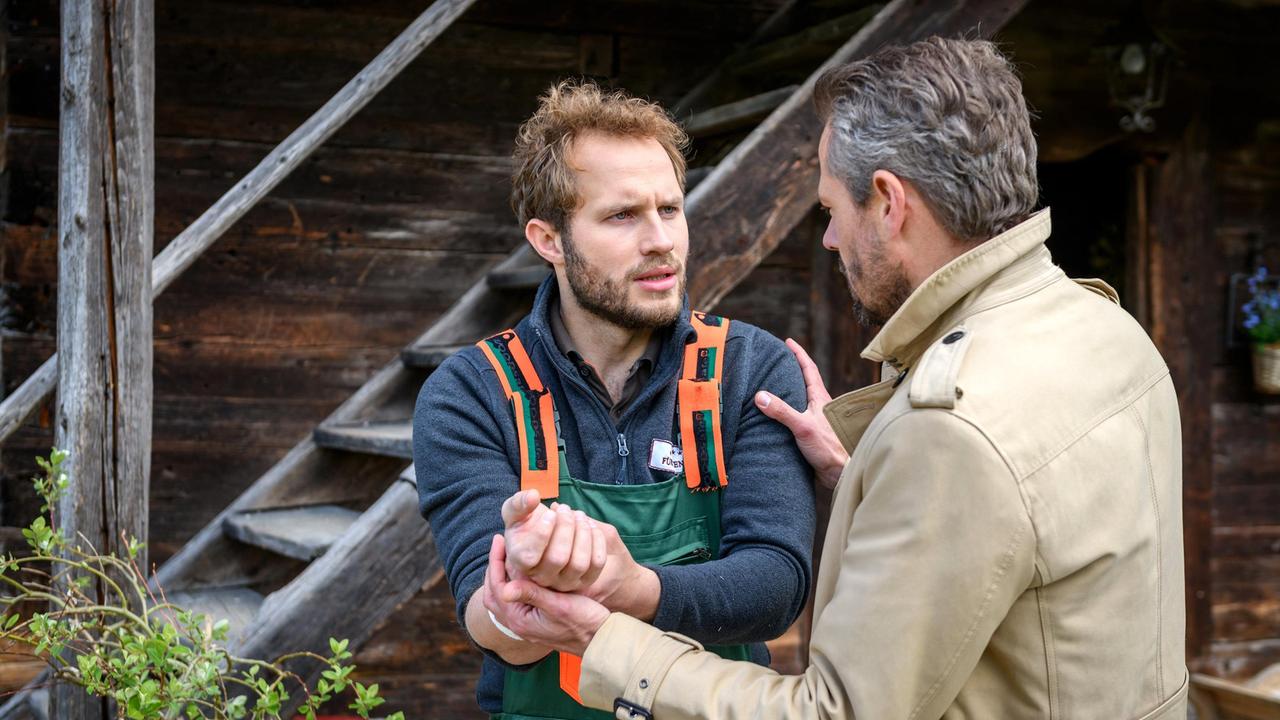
1005, 540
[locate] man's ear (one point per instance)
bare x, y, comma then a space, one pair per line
891, 194
545, 240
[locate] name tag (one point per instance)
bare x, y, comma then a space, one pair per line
666, 457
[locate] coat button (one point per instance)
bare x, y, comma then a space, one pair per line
584, 371
953, 337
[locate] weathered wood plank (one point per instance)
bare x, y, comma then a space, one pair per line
393, 549
183, 251
303, 533
430, 356
525, 278
390, 439
105, 219
237, 605
766, 185
1232, 701
179, 254
1181, 256
738, 114
810, 44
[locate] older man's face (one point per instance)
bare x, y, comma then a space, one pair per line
877, 280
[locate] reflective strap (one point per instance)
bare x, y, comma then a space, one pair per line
699, 404
570, 675
534, 412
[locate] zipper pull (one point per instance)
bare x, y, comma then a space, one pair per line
622, 445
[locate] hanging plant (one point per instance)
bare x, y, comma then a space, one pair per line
1262, 323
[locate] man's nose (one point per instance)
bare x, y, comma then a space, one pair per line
829, 239
657, 238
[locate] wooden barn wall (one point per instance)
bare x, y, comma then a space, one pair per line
1229, 146
356, 253
351, 257
1245, 426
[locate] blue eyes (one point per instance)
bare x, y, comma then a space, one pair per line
667, 210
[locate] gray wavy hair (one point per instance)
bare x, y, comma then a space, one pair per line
946, 115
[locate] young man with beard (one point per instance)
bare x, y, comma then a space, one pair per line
1005, 537
611, 436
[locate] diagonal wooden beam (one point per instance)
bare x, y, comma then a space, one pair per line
755, 196
275, 167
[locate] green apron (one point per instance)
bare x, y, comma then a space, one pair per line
662, 523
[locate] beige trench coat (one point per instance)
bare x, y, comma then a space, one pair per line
1006, 539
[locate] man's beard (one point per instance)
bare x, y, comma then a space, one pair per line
885, 286
607, 298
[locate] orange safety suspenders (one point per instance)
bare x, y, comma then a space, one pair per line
698, 407
698, 396
534, 411
699, 404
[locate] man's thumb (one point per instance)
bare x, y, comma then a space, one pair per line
523, 592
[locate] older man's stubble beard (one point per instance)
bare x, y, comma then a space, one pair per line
885, 286
608, 299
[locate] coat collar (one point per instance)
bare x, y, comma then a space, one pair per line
1013, 262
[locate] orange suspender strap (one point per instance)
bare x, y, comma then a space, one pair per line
534, 412
699, 403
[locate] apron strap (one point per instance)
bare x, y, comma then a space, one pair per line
699, 404
534, 412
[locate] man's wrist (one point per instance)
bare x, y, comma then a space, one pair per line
641, 594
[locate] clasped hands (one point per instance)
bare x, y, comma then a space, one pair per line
555, 574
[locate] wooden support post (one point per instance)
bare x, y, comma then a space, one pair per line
106, 212
1182, 326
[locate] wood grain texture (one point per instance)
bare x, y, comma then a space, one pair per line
766, 185
1181, 326
105, 220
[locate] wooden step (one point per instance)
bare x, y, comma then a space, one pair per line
304, 533
410, 475
809, 45
517, 278
237, 605
389, 438
429, 356
739, 114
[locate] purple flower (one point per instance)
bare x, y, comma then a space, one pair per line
1251, 322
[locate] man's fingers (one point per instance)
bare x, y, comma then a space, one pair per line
580, 558
599, 553
496, 573
813, 382
559, 548
529, 541
519, 506
775, 407
524, 592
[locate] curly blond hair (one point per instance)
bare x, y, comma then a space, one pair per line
542, 184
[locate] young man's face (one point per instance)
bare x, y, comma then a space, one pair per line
626, 244
877, 278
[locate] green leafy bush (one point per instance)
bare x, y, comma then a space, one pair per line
151, 657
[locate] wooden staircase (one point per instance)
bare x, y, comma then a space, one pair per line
329, 541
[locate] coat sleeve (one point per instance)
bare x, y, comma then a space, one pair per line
937, 552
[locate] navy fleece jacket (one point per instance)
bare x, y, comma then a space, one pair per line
464, 450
